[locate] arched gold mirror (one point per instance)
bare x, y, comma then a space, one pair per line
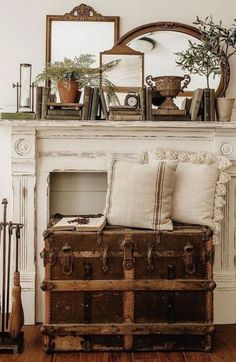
160, 41
81, 31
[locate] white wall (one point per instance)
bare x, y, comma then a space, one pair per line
22, 39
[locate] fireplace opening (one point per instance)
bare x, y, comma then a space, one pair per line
73, 193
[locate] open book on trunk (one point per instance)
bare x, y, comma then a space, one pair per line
80, 223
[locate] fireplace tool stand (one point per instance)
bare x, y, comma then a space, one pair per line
11, 337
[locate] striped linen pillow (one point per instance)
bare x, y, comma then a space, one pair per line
200, 187
140, 195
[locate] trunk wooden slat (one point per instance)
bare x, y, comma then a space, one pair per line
128, 289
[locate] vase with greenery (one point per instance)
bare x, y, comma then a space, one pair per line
74, 74
218, 45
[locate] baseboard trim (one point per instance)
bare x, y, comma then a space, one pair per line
225, 281
28, 296
225, 298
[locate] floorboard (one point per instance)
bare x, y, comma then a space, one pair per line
197, 357
172, 357
224, 350
146, 357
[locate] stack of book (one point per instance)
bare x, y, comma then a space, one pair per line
42, 95
66, 111
93, 107
203, 105
94, 104
125, 113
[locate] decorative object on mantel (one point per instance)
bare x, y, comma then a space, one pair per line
70, 75
218, 46
197, 59
11, 337
200, 186
128, 75
169, 87
65, 33
24, 90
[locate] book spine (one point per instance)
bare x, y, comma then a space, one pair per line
45, 93
95, 104
195, 104
207, 107
149, 103
85, 113
184, 118
169, 112
143, 102
66, 118
126, 113
212, 105
38, 105
64, 112
103, 103
90, 102
119, 117
19, 115
186, 104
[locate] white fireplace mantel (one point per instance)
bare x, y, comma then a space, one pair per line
41, 147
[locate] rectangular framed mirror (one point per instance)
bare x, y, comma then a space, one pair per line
129, 73
80, 31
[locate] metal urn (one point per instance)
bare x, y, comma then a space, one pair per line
168, 86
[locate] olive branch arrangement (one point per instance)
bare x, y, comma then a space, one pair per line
218, 44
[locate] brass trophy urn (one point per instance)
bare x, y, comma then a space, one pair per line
168, 86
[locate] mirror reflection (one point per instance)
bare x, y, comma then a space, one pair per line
73, 38
127, 73
159, 49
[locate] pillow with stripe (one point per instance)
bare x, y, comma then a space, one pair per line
200, 186
140, 195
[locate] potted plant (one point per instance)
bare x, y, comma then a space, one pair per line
217, 46
70, 75
221, 42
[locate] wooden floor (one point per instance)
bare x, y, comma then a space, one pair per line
224, 351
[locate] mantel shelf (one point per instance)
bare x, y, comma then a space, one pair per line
136, 125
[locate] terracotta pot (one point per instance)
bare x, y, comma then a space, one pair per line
67, 91
224, 108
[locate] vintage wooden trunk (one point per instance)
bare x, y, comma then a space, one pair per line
128, 289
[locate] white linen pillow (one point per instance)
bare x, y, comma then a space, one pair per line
194, 194
140, 195
199, 187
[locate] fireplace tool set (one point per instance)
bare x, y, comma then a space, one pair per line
11, 337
